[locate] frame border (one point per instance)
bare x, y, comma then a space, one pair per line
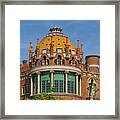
62, 2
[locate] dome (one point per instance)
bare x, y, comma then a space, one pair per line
56, 38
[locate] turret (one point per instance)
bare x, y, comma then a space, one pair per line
30, 52
37, 50
79, 50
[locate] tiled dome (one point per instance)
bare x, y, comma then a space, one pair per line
56, 38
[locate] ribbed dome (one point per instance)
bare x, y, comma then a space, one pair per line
56, 38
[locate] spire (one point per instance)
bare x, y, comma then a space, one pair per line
30, 52
78, 43
37, 47
78, 47
30, 48
79, 50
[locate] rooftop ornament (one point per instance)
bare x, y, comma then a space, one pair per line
55, 29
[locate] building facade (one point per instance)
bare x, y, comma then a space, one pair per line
57, 63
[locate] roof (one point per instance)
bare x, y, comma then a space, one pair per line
57, 38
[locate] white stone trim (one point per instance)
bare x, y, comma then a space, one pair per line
76, 84
80, 86
93, 65
38, 80
51, 79
56, 67
66, 83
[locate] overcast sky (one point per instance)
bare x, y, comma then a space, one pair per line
87, 31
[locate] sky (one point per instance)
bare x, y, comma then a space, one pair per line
87, 31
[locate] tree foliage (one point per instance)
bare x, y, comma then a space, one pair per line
45, 96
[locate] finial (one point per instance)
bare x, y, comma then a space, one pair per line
30, 48
30, 42
81, 46
78, 43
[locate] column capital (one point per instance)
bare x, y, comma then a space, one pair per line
77, 73
31, 87
30, 75
51, 71
66, 71
33, 72
52, 83
76, 84
66, 82
38, 72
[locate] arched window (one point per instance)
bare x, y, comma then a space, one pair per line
72, 58
55, 61
63, 61
45, 61
44, 58
70, 62
59, 59
41, 62
59, 50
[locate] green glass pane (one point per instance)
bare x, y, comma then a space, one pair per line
58, 76
34, 76
45, 77
71, 77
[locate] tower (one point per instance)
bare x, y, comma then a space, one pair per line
92, 63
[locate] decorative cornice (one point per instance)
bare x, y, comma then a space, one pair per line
72, 69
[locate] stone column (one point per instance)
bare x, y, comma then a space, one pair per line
52, 82
66, 82
41, 84
34, 85
38, 80
31, 83
76, 84
61, 62
80, 86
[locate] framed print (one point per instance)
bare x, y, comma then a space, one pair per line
60, 60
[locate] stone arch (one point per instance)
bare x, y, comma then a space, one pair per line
59, 59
